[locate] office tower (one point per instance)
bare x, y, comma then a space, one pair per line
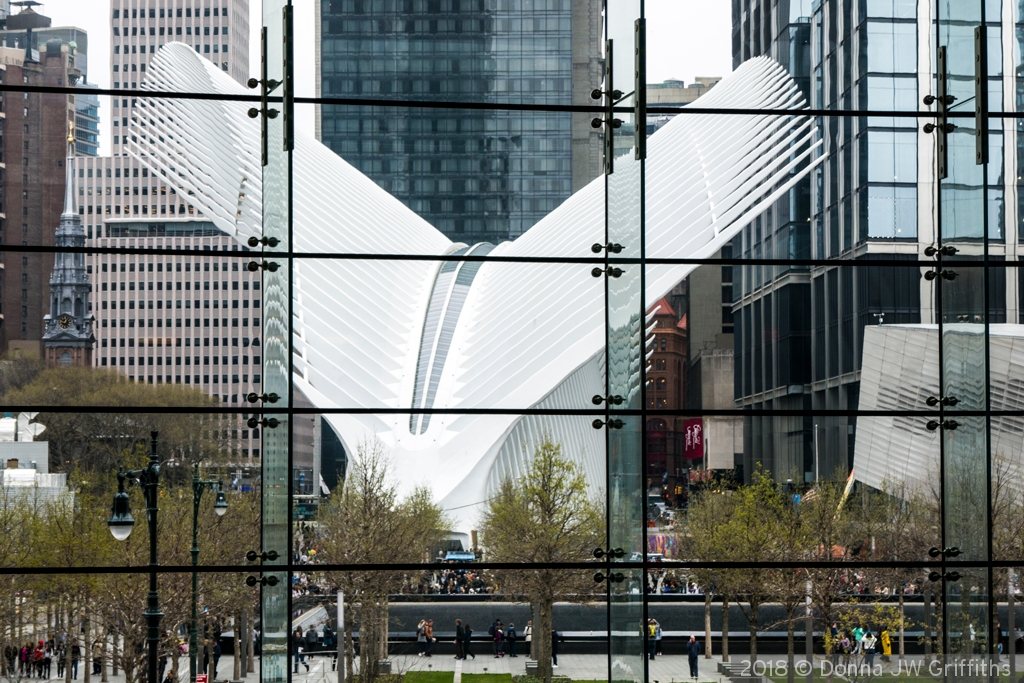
771, 313
192, 320
35, 131
799, 332
478, 176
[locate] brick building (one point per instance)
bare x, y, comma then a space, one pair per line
666, 390
34, 149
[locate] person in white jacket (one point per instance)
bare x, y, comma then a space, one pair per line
528, 637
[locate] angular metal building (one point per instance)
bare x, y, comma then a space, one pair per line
373, 332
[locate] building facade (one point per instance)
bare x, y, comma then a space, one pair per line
800, 331
476, 175
35, 131
194, 320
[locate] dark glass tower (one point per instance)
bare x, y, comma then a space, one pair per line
476, 175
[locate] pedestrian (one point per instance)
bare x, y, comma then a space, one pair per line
298, 648
47, 659
61, 655
430, 637
528, 637
97, 657
76, 655
886, 645
216, 658
497, 637
467, 640
999, 642
37, 658
652, 644
169, 678
868, 648
311, 641
460, 634
510, 639
657, 637
693, 653
421, 638
858, 634
556, 638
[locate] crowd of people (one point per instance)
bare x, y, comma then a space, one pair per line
453, 580
36, 660
859, 642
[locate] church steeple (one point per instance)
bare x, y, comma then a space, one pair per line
69, 183
68, 338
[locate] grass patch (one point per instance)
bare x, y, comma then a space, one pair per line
428, 677
486, 678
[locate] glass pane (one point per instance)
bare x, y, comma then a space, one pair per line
277, 329
964, 329
624, 180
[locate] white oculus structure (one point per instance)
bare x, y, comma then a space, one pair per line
901, 370
429, 334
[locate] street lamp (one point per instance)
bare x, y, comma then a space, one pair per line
121, 523
220, 506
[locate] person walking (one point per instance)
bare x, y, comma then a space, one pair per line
311, 641
421, 638
556, 638
693, 654
886, 645
460, 635
429, 628
61, 655
216, 658
97, 657
510, 639
47, 659
37, 658
298, 647
76, 656
497, 637
528, 637
868, 648
466, 640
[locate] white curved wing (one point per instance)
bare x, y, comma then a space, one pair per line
394, 334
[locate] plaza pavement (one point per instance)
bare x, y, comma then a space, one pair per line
577, 667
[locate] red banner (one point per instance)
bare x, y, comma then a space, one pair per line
694, 435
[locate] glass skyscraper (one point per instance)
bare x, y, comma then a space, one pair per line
800, 331
476, 174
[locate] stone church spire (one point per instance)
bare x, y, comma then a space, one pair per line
68, 338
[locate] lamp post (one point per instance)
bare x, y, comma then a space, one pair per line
220, 507
121, 523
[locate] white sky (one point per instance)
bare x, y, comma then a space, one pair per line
685, 39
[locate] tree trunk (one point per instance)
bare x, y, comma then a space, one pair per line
250, 649
348, 650
902, 623
86, 660
752, 625
542, 638
238, 649
69, 645
707, 623
790, 644
725, 628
